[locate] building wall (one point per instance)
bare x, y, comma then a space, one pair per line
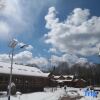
24, 83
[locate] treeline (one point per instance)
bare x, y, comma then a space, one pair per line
87, 71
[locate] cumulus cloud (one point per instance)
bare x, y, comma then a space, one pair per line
22, 57
18, 15
29, 47
40, 61
25, 57
78, 34
69, 58
82, 60
10, 14
25, 46
4, 57
52, 50
4, 29
2, 5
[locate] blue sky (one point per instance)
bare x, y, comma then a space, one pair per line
26, 21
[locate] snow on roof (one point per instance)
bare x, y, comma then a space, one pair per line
68, 78
56, 76
65, 76
21, 70
71, 76
61, 81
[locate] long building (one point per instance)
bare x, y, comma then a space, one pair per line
68, 80
26, 78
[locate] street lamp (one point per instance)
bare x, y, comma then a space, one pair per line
12, 45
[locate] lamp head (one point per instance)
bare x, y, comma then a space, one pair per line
13, 43
24, 46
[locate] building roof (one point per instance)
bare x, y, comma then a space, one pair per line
65, 76
21, 70
61, 81
56, 77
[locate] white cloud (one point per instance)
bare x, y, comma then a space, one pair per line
11, 9
19, 14
78, 34
69, 58
82, 60
26, 46
78, 16
10, 14
29, 47
53, 50
51, 18
4, 57
4, 30
40, 61
22, 57
25, 57
2, 5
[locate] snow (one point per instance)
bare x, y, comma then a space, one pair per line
21, 70
49, 95
53, 94
74, 92
65, 76
61, 81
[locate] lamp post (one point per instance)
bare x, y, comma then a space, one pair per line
12, 45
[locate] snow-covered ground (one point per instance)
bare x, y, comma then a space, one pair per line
74, 92
52, 94
49, 94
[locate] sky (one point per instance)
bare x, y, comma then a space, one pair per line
55, 30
